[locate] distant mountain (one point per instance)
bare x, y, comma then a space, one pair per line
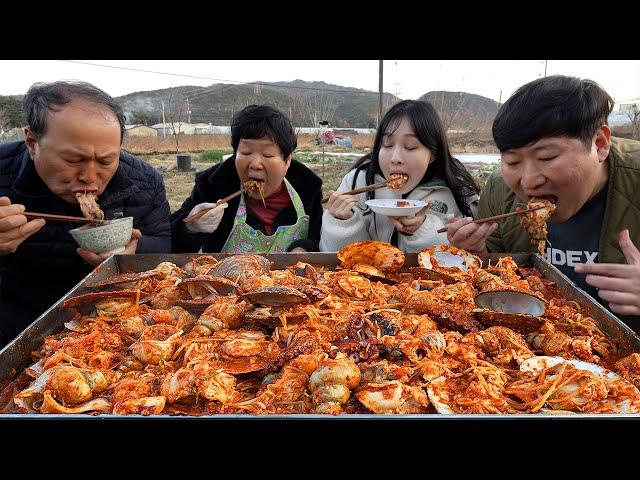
306, 103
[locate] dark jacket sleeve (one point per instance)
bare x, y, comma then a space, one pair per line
155, 226
314, 210
181, 239
487, 208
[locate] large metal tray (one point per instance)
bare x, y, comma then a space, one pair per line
16, 356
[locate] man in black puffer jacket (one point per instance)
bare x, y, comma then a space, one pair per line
72, 144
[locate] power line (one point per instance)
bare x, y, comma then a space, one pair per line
364, 92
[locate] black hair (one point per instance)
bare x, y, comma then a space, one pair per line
429, 130
551, 106
257, 121
42, 98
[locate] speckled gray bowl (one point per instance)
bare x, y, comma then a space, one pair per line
111, 237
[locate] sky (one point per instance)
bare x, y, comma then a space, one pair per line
407, 79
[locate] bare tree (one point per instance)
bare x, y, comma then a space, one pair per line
633, 112
450, 111
176, 110
4, 120
319, 106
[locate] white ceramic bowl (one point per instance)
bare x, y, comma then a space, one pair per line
111, 237
390, 208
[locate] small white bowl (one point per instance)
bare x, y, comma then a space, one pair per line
111, 237
390, 208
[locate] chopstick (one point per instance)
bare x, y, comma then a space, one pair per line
360, 190
61, 218
498, 217
196, 216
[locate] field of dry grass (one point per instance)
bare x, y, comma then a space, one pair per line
200, 143
459, 142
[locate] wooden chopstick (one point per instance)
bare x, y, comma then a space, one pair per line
360, 190
196, 216
61, 218
498, 217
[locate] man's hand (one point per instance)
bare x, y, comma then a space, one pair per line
14, 227
340, 206
618, 284
472, 237
409, 225
96, 259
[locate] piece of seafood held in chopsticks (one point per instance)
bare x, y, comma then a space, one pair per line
88, 202
370, 335
534, 221
257, 186
397, 180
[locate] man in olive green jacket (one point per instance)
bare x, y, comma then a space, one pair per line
555, 144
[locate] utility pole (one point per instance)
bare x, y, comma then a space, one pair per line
164, 125
545, 68
500, 99
380, 92
188, 110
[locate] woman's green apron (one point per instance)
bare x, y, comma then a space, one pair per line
245, 239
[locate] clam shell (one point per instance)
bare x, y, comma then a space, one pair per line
518, 311
520, 323
275, 296
235, 267
510, 301
445, 256
537, 364
123, 278
221, 285
434, 275
381, 255
436, 400
92, 298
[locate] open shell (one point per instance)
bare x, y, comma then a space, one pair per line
381, 255
122, 280
518, 311
196, 306
436, 399
537, 364
275, 296
105, 303
238, 266
433, 275
372, 273
202, 285
448, 257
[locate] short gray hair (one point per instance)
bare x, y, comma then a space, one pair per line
46, 97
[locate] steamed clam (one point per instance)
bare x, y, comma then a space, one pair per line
518, 311
581, 384
446, 263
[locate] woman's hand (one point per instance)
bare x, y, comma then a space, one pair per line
209, 222
409, 225
618, 284
340, 206
472, 237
